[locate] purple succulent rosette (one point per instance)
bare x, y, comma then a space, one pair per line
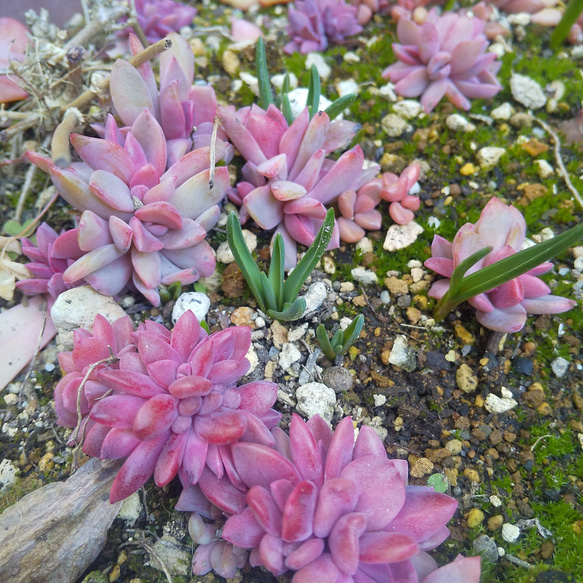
313, 23
502, 309
334, 510
446, 56
172, 406
288, 181
47, 263
159, 18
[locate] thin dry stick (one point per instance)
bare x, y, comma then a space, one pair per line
60, 151
136, 25
24, 192
559, 159
137, 60
32, 120
213, 154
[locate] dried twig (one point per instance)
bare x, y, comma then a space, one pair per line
60, 151
213, 153
559, 160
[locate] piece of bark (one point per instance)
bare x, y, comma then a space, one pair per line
54, 533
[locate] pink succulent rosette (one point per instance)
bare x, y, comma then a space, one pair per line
173, 406
159, 18
334, 510
47, 266
13, 41
105, 341
313, 23
504, 308
446, 56
288, 181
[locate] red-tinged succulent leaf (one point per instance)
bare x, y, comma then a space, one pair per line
243, 530
306, 553
130, 382
320, 430
161, 213
93, 232
271, 553
340, 449
194, 458
162, 372
256, 431
118, 443
170, 459
368, 442
190, 386
192, 163
385, 547
280, 491
313, 140
105, 155
117, 410
138, 468
337, 497
381, 489
155, 416
222, 493
228, 371
95, 433
305, 452
191, 234
221, 427
461, 570
322, 570
265, 510
232, 343
298, 513
152, 348
257, 397
261, 465
241, 137
121, 233
344, 541
90, 351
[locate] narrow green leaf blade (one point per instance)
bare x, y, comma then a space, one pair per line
286, 109
268, 292
244, 259
336, 108
506, 269
464, 266
276, 270
290, 312
265, 95
295, 281
352, 332
314, 92
324, 340
570, 16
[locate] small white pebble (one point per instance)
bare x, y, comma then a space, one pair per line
510, 533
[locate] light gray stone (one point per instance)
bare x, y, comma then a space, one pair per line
497, 405
315, 297
560, 366
364, 276
402, 355
77, 308
510, 532
490, 156
458, 123
297, 100
8, 473
394, 125
224, 253
401, 236
130, 509
487, 547
317, 59
527, 91
502, 112
197, 302
316, 399
170, 552
288, 355
408, 108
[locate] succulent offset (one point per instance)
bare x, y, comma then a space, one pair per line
502, 228
331, 509
444, 57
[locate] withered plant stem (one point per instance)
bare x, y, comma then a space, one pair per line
60, 151
212, 160
559, 159
137, 60
136, 25
24, 192
32, 120
75, 77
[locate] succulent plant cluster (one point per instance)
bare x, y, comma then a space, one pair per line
501, 228
313, 24
329, 508
444, 57
166, 401
147, 200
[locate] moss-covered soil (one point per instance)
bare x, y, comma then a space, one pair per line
523, 467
